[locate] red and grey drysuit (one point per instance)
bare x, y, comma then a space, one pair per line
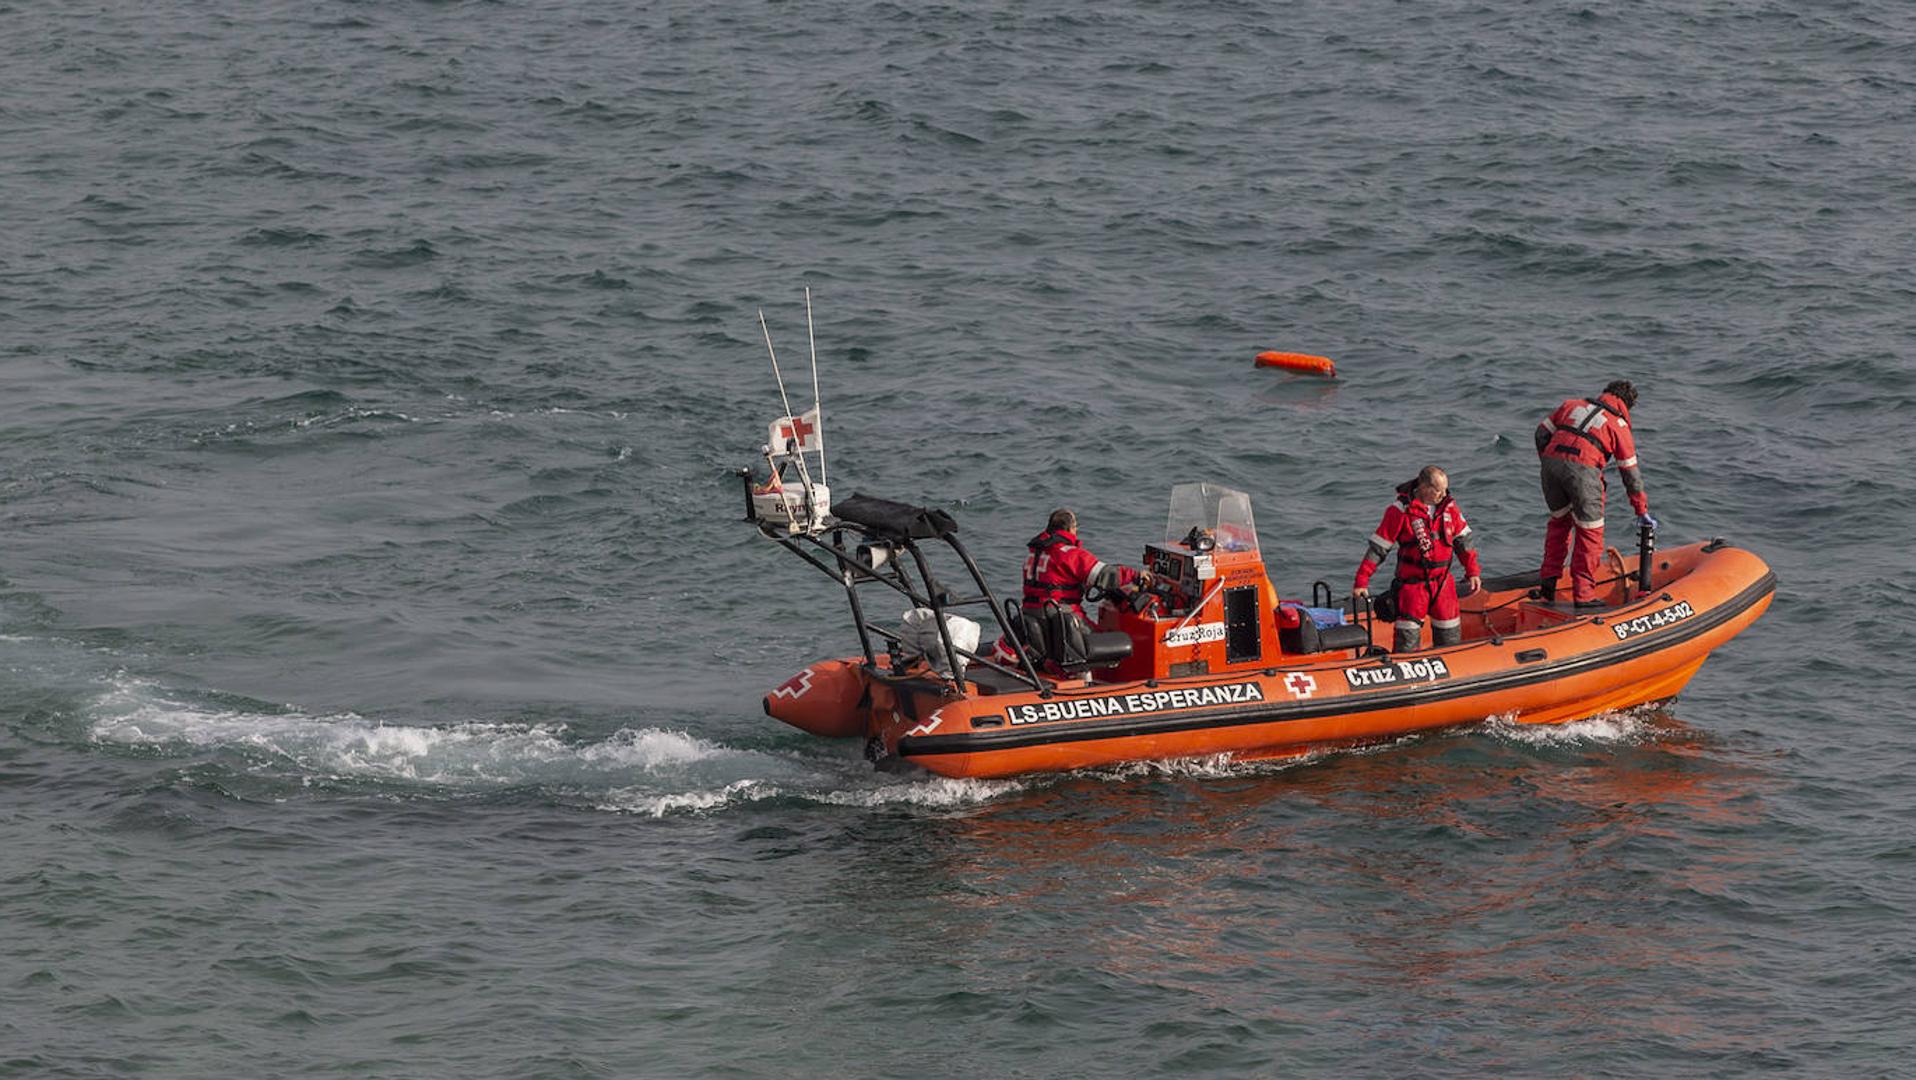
1426, 538
1059, 571
1573, 446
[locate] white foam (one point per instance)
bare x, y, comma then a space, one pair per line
648, 771
347, 745
938, 792
653, 748
349, 415
658, 805
1209, 767
1627, 725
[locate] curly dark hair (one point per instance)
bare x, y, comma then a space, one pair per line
1624, 392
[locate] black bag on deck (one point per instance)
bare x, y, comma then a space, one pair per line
1384, 604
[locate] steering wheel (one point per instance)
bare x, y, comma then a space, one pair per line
1160, 595
1132, 595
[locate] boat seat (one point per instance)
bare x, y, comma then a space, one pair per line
1351, 636
1307, 637
1057, 635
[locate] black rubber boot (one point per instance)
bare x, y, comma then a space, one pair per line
1407, 640
1441, 636
1547, 590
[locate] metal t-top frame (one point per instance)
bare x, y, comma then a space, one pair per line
888, 529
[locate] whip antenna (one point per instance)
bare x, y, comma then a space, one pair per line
804, 474
787, 402
817, 407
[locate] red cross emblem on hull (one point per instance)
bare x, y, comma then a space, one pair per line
795, 686
1300, 685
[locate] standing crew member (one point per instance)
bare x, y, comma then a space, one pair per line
1573, 446
1431, 528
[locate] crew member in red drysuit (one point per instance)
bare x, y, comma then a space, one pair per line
1430, 527
1573, 446
1059, 571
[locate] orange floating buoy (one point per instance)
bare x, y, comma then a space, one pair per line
1303, 363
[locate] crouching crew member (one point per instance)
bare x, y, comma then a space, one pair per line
1573, 446
1428, 529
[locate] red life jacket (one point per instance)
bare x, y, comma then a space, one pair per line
1426, 539
1057, 570
1590, 432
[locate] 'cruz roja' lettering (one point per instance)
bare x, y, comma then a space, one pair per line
1397, 672
1151, 701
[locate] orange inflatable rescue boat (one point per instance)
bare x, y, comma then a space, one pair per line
1212, 660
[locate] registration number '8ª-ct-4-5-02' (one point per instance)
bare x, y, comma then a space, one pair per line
1656, 620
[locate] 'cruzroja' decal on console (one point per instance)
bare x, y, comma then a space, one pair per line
1134, 704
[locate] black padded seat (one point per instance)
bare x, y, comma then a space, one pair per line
1073, 646
1107, 648
1058, 635
1307, 637
1350, 636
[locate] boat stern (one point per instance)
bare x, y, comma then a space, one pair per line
823, 699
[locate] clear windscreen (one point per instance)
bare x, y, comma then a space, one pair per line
1224, 513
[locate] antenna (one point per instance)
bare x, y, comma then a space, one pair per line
804, 474
768, 348
817, 407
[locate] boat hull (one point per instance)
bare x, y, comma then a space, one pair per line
1527, 662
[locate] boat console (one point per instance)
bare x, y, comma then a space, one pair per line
1213, 608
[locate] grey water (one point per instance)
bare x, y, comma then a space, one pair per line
381, 654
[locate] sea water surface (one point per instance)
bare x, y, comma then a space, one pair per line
381, 654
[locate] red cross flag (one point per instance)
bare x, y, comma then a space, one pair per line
804, 428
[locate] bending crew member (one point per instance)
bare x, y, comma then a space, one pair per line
1573, 446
